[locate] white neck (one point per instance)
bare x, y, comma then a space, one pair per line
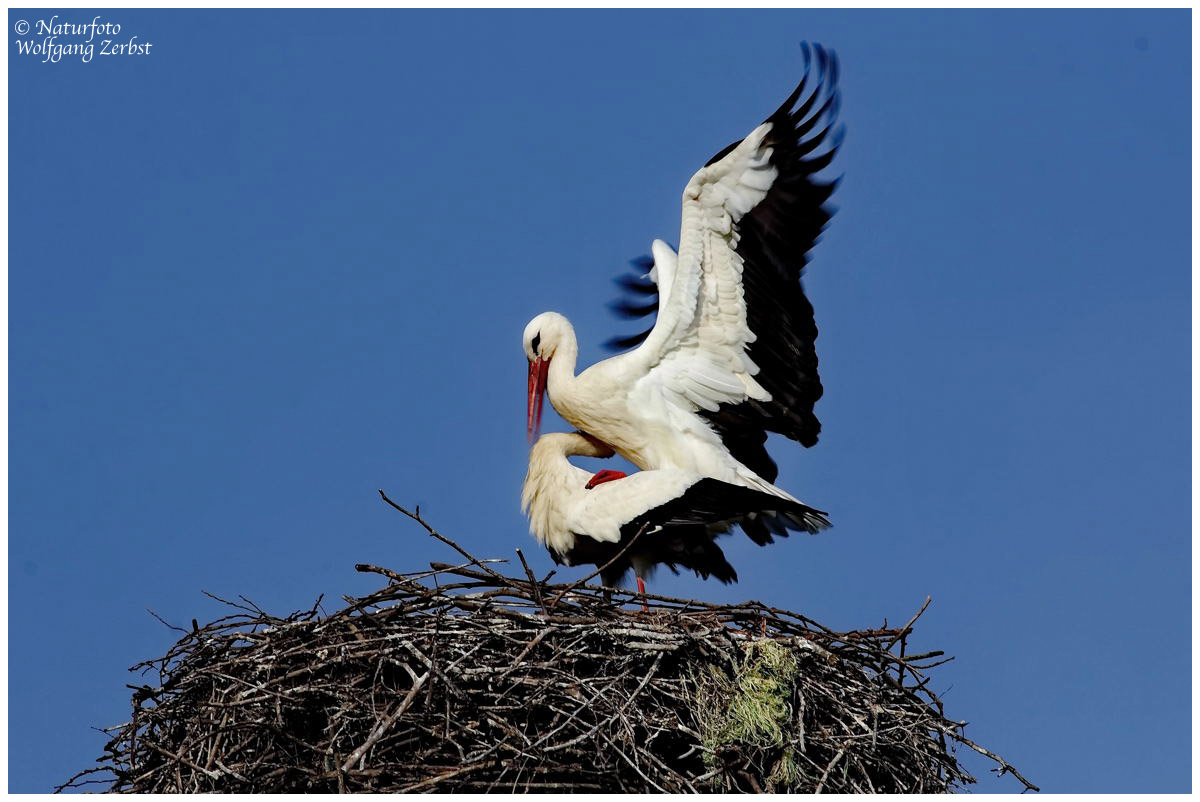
562, 365
552, 486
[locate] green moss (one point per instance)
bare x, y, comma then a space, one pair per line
786, 772
752, 708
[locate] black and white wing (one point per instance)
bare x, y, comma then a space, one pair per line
734, 337
680, 529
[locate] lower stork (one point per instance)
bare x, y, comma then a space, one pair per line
675, 515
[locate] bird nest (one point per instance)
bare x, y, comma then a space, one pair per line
459, 678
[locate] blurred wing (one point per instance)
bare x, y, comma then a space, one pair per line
640, 299
735, 335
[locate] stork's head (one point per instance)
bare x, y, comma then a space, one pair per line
542, 337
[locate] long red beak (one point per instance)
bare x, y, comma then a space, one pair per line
538, 370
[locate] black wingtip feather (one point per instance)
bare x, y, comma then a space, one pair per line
809, 117
818, 139
822, 57
621, 343
627, 309
784, 109
636, 285
643, 263
818, 163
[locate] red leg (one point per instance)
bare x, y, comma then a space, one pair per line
642, 590
603, 476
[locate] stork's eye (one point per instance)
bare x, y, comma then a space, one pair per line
537, 340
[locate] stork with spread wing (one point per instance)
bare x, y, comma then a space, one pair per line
731, 355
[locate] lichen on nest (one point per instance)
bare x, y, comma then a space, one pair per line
750, 707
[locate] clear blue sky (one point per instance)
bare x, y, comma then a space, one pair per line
286, 259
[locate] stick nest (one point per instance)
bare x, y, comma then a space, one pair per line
461, 679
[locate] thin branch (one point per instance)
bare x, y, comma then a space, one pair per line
534, 586
554, 602
385, 723
163, 621
1005, 766
416, 516
904, 630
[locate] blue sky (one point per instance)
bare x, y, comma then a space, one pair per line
286, 258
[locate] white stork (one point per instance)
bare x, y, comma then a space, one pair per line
583, 518
731, 354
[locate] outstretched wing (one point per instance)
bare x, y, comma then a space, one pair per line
679, 530
734, 337
711, 502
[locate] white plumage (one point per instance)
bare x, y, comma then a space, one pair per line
677, 513
561, 507
731, 355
